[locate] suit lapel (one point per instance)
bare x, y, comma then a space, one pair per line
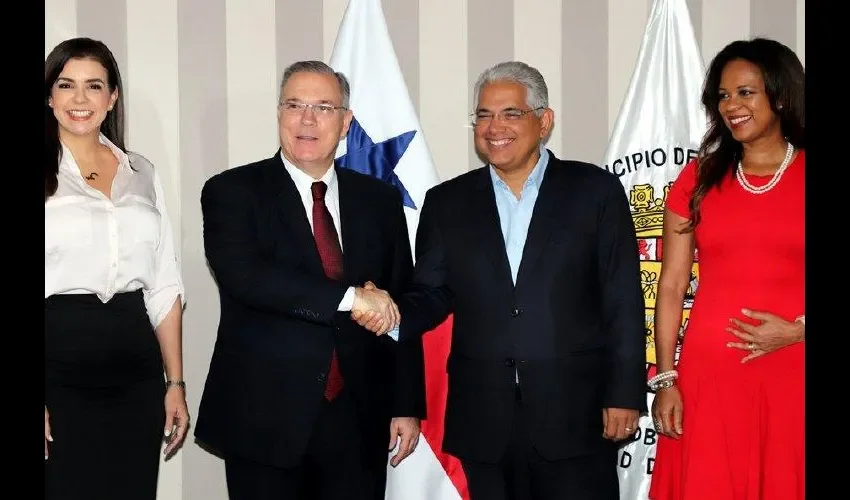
291, 212
352, 214
487, 225
541, 220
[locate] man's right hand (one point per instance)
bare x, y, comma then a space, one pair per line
374, 309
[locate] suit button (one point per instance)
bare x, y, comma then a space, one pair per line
510, 362
321, 377
516, 312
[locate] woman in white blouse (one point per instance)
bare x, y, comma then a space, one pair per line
112, 289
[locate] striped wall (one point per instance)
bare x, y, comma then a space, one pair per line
201, 81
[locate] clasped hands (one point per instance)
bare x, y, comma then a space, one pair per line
374, 309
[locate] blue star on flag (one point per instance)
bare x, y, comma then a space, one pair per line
378, 160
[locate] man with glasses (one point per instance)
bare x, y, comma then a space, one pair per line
537, 258
299, 399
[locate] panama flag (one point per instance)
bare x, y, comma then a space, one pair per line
386, 141
658, 130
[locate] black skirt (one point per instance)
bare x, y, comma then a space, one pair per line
105, 392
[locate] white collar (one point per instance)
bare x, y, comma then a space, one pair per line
304, 181
68, 160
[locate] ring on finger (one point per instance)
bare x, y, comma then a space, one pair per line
751, 346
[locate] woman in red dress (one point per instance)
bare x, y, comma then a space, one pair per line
731, 413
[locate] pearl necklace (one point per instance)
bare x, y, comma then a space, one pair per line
742, 179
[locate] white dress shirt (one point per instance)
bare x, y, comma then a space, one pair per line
303, 183
93, 244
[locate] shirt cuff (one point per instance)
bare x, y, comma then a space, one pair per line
393, 334
347, 300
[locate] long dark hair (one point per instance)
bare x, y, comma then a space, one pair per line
784, 84
112, 126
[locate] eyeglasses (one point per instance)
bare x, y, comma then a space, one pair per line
511, 114
323, 110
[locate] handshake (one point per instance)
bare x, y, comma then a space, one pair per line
374, 309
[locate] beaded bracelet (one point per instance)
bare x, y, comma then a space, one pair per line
662, 378
664, 384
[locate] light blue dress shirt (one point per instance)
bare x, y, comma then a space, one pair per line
514, 213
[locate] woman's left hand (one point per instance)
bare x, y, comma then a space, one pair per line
176, 418
771, 334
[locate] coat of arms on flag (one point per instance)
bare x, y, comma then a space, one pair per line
657, 132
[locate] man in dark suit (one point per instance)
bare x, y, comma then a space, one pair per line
299, 399
537, 258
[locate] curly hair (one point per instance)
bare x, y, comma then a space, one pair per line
784, 82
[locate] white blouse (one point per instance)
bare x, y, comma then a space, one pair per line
96, 245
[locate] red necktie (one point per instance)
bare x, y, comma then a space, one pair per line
330, 252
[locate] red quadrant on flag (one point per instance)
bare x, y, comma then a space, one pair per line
436, 345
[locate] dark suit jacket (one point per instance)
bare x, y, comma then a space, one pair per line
279, 321
573, 326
